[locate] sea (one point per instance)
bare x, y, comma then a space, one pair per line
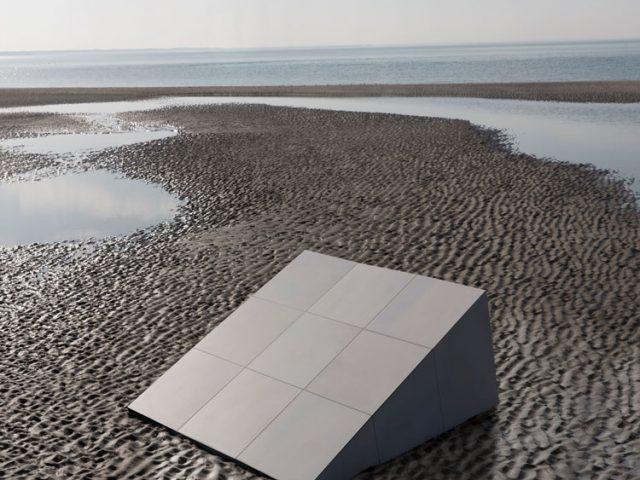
541, 62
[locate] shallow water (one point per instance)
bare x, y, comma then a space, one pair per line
101, 111
77, 206
62, 144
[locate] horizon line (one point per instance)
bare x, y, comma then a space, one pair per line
336, 47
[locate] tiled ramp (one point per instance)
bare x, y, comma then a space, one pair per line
332, 367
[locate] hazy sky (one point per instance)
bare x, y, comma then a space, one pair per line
94, 24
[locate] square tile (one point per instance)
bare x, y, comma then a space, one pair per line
248, 331
425, 310
361, 294
368, 371
301, 283
184, 388
239, 412
304, 438
304, 349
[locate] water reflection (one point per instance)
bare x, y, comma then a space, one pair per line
63, 144
74, 206
112, 108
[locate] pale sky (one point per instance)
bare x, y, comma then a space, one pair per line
117, 24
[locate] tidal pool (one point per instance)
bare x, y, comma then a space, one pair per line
79, 206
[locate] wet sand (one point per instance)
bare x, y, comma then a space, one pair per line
22, 124
599, 92
87, 326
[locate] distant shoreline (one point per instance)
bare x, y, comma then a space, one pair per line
624, 91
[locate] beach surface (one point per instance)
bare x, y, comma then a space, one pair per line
87, 326
591, 91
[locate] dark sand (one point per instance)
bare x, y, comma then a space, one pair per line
88, 326
603, 91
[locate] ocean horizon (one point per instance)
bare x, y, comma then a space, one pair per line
514, 62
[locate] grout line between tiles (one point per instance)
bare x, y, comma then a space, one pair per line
212, 397
347, 323
318, 299
301, 313
428, 347
281, 381
254, 295
336, 401
221, 358
366, 327
330, 361
268, 424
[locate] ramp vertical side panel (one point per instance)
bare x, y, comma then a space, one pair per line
357, 455
412, 414
465, 367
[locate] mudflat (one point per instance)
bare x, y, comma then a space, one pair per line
87, 326
588, 91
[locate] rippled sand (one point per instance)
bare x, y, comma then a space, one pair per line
88, 326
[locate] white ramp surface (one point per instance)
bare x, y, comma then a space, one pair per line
330, 368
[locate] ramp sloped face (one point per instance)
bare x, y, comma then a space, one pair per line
332, 367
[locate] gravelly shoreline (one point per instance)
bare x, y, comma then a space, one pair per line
88, 325
625, 91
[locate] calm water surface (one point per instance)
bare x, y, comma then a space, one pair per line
77, 206
71, 143
322, 66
